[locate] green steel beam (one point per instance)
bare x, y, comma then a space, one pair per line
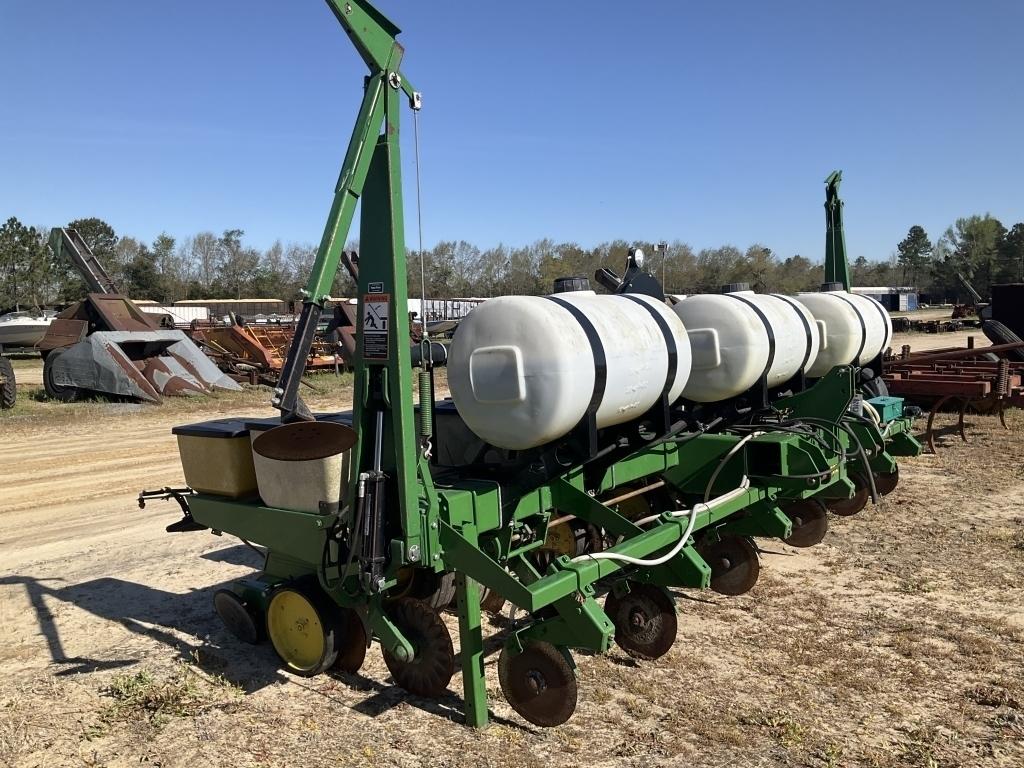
471, 650
837, 268
899, 441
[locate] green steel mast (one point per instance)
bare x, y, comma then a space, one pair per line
837, 268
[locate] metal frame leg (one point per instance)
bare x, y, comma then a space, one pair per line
471, 641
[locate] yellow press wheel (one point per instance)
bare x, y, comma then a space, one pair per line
303, 629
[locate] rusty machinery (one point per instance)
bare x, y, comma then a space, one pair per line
104, 344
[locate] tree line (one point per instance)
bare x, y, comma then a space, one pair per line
208, 265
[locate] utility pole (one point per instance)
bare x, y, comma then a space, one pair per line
662, 247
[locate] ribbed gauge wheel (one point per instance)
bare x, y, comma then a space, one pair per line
433, 664
8, 388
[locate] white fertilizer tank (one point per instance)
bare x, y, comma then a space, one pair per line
524, 370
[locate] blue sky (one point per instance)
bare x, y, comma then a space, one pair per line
706, 122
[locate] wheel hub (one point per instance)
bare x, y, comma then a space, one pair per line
638, 618
535, 682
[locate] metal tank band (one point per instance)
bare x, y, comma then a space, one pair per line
806, 325
670, 341
860, 319
768, 329
596, 347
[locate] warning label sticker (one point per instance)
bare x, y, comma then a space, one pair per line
375, 313
376, 308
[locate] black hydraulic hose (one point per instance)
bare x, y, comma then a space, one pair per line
793, 427
860, 450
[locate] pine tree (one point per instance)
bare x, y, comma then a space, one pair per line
914, 252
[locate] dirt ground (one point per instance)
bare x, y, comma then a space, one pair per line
920, 342
899, 641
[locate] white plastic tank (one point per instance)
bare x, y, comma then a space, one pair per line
523, 370
854, 329
738, 336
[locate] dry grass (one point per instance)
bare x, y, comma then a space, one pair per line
324, 391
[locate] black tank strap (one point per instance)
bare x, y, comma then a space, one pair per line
596, 347
886, 323
807, 327
863, 328
670, 340
767, 327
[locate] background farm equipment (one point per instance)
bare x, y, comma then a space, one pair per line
968, 379
106, 345
979, 379
256, 353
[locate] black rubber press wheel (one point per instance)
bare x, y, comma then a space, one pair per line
433, 664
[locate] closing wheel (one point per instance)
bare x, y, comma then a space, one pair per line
55, 391
538, 683
854, 504
237, 616
351, 642
490, 601
734, 564
810, 522
435, 589
433, 662
645, 621
886, 482
302, 626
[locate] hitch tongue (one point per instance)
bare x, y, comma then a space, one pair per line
180, 495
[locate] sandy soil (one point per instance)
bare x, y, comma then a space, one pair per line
28, 372
897, 642
919, 342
